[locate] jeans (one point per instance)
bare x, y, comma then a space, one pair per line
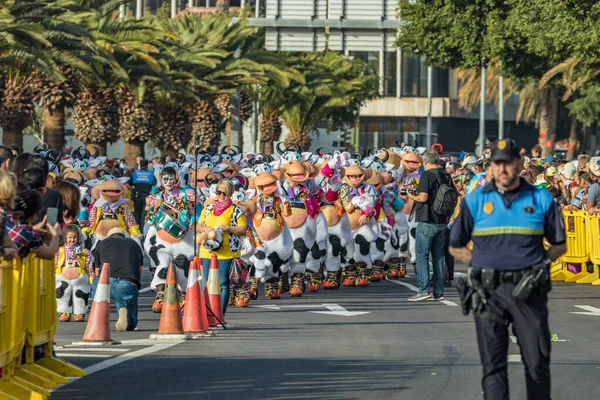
430, 238
224, 266
125, 295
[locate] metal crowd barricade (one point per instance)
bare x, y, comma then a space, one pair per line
28, 324
583, 247
594, 238
577, 245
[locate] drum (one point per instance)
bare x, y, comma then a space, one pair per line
170, 225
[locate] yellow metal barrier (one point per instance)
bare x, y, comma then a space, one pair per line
577, 245
594, 237
28, 321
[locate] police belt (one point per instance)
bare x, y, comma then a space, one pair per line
491, 278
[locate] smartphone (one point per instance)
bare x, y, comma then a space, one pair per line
52, 215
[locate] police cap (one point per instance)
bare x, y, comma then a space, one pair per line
144, 164
505, 150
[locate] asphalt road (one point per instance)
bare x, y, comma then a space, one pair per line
301, 349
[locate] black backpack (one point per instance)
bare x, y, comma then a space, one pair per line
446, 198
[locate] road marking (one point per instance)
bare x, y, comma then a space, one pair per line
590, 311
87, 355
336, 309
87, 349
279, 307
449, 303
513, 339
123, 358
414, 289
514, 358
460, 274
144, 290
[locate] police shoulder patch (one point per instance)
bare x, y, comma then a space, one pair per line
488, 207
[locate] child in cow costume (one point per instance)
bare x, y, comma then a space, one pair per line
170, 221
74, 273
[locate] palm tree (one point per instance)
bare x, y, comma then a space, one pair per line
535, 101
574, 75
334, 90
23, 46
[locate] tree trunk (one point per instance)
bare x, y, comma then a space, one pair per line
12, 135
300, 138
548, 115
573, 136
91, 147
268, 147
54, 128
133, 149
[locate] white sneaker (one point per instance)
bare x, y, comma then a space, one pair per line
121, 324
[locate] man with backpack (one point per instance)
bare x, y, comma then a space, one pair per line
435, 201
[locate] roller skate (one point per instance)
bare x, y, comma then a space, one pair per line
272, 290
297, 286
284, 283
314, 280
232, 294
377, 271
242, 296
65, 317
364, 276
253, 288
158, 301
332, 281
402, 267
350, 276
79, 318
181, 300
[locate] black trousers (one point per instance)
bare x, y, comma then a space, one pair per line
530, 326
449, 260
139, 209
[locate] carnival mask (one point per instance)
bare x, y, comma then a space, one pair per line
169, 182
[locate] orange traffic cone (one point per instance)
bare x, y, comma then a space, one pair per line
194, 314
214, 290
170, 317
98, 326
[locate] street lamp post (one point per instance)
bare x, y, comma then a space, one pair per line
481, 140
429, 101
501, 107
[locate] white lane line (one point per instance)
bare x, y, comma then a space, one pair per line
449, 303
61, 354
123, 358
101, 350
414, 289
144, 290
460, 274
514, 358
513, 339
407, 285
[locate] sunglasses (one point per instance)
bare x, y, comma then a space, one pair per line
220, 193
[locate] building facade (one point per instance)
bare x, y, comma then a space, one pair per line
367, 29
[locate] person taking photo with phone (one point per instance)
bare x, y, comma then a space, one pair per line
41, 238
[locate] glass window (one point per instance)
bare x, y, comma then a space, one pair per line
391, 66
410, 76
414, 78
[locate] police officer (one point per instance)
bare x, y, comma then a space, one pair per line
508, 282
143, 181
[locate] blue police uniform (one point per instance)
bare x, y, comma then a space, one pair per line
508, 231
142, 185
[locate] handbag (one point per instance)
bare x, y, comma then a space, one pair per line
236, 272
